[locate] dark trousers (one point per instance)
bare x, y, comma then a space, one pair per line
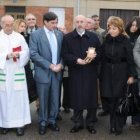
136, 119
66, 99
116, 122
105, 104
90, 117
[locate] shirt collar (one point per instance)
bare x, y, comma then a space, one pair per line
75, 33
29, 30
47, 31
81, 34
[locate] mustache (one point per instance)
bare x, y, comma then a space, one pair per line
80, 26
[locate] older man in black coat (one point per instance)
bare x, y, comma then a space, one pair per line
82, 75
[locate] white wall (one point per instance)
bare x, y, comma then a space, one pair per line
60, 12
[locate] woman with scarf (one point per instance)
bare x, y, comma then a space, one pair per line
133, 30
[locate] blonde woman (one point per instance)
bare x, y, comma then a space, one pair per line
20, 26
117, 70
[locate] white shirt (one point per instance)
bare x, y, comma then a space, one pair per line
47, 33
81, 34
53, 44
29, 30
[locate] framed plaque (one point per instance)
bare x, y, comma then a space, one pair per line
91, 50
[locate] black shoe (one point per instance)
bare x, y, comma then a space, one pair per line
99, 106
4, 131
72, 118
112, 131
58, 117
54, 127
76, 129
103, 113
42, 130
91, 129
67, 110
118, 133
20, 131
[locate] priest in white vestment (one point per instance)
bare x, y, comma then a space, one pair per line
14, 55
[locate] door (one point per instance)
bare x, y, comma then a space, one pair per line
126, 15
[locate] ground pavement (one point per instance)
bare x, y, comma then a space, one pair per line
102, 127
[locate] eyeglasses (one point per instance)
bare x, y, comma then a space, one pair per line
30, 19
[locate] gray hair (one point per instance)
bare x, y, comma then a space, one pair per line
30, 14
5, 16
93, 22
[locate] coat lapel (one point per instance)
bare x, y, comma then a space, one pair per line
44, 37
58, 44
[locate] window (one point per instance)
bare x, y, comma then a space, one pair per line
16, 12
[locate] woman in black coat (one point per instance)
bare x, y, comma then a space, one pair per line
133, 30
117, 70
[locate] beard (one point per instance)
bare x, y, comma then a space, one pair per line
80, 29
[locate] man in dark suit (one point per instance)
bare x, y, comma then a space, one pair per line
31, 24
29, 68
65, 102
82, 74
45, 48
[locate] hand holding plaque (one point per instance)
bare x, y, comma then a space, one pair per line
90, 54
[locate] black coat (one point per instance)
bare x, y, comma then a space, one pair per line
82, 78
114, 74
31, 84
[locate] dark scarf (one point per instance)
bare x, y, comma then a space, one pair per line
118, 38
133, 37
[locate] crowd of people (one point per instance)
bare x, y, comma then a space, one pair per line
94, 65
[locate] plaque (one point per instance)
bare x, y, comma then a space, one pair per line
91, 50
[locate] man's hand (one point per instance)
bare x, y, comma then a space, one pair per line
130, 80
81, 61
56, 68
91, 55
10, 55
16, 54
52, 66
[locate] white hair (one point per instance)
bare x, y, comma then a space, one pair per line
93, 22
80, 16
5, 16
30, 14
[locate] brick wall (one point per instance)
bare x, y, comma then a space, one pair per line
2, 11
69, 19
38, 12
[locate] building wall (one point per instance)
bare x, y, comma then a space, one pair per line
86, 7
69, 19
38, 11
2, 11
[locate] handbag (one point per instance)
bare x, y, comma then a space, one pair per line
130, 104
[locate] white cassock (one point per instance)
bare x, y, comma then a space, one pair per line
14, 103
